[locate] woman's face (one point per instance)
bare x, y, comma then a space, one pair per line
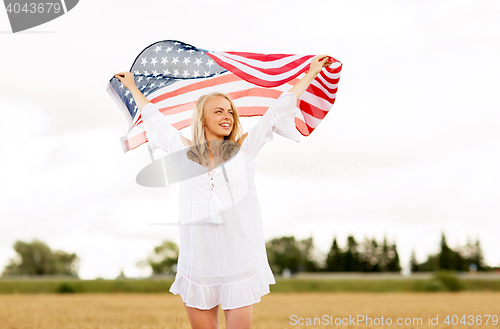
218, 121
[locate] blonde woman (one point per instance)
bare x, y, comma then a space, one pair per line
222, 255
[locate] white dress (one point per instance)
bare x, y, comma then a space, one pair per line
222, 253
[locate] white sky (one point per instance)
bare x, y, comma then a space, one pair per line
410, 148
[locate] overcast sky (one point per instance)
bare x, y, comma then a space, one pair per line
410, 149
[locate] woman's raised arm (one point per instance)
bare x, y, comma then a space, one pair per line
317, 63
127, 79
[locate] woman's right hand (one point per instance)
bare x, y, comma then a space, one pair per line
127, 79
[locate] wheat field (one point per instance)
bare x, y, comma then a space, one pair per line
275, 310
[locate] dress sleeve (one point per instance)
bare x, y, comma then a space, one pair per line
159, 132
279, 118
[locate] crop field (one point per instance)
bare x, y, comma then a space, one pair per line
467, 309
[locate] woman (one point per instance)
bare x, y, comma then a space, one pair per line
222, 256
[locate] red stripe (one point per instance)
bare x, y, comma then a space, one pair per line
325, 86
252, 79
312, 110
196, 86
320, 93
259, 57
277, 70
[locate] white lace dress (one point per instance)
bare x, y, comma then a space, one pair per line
222, 254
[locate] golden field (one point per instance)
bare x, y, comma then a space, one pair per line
276, 310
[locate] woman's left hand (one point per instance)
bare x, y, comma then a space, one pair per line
318, 62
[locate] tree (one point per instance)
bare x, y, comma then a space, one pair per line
163, 259
351, 256
308, 263
335, 258
284, 253
414, 267
36, 258
394, 264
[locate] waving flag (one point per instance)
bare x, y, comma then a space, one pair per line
174, 75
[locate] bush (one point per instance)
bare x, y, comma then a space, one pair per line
450, 280
434, 285
65, 288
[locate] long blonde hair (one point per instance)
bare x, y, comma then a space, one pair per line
199, 148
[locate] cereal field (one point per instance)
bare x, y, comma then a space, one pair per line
276, 310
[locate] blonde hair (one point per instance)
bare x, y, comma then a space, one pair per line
199, 148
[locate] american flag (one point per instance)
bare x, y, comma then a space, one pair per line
174, 75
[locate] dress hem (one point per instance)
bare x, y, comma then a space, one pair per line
230, 296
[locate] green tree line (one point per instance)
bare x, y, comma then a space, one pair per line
284, 254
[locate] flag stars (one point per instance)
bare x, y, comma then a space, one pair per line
130, 100
179, 50
144, 61
164, 60
152, 85
146, 72
185, 74
210, 63
186, 60
127, 92
154, 61
137, 72
190, 51
169, 49
176, 73
175, 60
157, 49
149, 78
196, 74
140, 79
155, 73
166, 72
206, 74
198, 61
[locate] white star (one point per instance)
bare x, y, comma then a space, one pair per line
152, 85
169, 49
162, 84
176, 43
121, 86
143, 87
175, 60
155, 73
210, 63
190, 51
166, 72
206, 74
176, 73
164, 60
137, 72
127, 92
186, 60
157, 49
146, 72
198, 61
153, 61
140, 79
130, 100
179, 50
158, 78
196, 74
149, 78
144, 61
185, 74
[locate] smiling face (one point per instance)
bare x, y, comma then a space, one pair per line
218, 118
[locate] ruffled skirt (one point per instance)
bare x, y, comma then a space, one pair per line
229, 296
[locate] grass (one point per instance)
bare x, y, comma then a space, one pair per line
281, 286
